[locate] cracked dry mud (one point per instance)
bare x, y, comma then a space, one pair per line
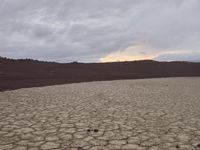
149, 114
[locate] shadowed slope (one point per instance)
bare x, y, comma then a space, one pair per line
16, 74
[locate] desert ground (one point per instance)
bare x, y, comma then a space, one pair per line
16, 74
144, 114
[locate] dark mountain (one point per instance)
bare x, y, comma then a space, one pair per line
24, 73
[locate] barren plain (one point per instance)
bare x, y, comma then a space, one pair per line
144, 114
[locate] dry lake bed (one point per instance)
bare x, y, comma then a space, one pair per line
145, 114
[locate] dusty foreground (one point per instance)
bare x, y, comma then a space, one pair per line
149, 114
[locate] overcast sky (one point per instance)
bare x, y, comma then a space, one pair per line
100, 30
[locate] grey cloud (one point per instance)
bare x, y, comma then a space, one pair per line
86, 30
186, 56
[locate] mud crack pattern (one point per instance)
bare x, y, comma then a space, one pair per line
150, 114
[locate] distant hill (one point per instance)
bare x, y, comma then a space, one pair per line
8, 60
23, 73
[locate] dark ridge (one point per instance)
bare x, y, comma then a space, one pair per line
27, 60
23, 73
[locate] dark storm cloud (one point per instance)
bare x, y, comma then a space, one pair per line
87, 30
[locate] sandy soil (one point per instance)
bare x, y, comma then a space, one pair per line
146, 114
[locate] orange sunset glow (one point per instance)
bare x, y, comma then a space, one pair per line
130, 54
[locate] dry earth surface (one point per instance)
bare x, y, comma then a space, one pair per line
16, 74
146, 114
